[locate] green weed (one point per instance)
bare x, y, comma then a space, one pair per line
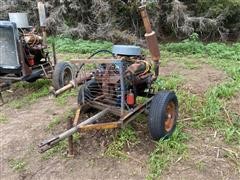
191, 65
141, 118
195, 47
125, 137
213, 111
234, 157
225, 90
189, 104
18, 165
3, 118
232, 135
33, 92
33, 86
171, 82
63, 98
60, 148
200, 165
57, 120
80, 46
166, 152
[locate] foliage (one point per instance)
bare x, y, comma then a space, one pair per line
60, 148
125, 136
63, 98
18, 165
189, 104
166, 152
215, 50
211, 110
216, 7
3, 118
170, 82
34, 91
119, 20
57, 120
80, 46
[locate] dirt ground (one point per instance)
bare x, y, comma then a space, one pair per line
235, 104
197, 80
27, 127
206, 159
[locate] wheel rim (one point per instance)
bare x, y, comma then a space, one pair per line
67, 76
171, 114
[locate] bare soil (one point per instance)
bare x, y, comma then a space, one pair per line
207, 158
27, 127
197, 80
234, 104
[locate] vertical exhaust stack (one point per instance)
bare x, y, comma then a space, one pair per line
42, 19
151, 39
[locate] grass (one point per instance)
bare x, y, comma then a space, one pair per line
59, 149
213, 111
18, 165
54, 122
200, 165
171, 82
209, 111
57, 120
190, 64
189, 104
80, 46
63, 98
214, 50
32, 92
167, 152
3, 119
232, 134
126, 136
204, 112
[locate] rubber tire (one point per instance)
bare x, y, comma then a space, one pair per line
87, 91
32, 80
57, 78
157, 116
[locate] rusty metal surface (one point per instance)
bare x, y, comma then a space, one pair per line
98, 126
101, 106
150, 35
88, 125
139, 109
153, 47
25, 69
146, 21
48, 144
106, 84
70, 138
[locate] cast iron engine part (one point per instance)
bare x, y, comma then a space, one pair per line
106, 78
